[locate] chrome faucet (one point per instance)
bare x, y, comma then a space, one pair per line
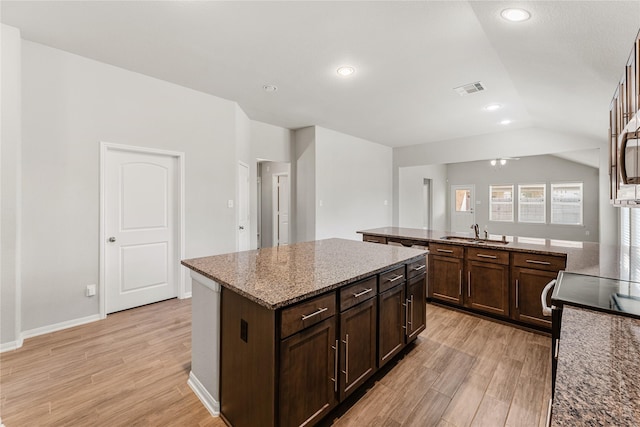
476, 230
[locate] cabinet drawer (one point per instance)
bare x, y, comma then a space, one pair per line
391, 278
446, 250
539, 262
374, 239
417, 267
358, 292
488, 255
308, 313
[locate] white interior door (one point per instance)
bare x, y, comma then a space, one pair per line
244, 235
281, 210
141, 211
463, 204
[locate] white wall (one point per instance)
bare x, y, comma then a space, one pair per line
517, 143
411, 203
305, 173
71, 104
353, 182
530, 170
10, 153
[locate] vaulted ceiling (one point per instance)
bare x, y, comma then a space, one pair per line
557, 70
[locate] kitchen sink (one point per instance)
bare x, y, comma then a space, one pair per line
474, 240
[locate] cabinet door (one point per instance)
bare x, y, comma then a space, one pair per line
357, 346
308, 371
392, 323
528, 286
416, 306
488, 287
445, 279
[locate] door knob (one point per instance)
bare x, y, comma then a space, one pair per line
111, 239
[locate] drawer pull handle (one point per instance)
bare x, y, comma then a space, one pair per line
359, 294
449, 251
487, 256
557, 349
421, 267
315, 313
400, 276
533, 261
373, 241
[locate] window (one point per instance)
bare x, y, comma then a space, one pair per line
501, 203
531, 203
629, 244
566, 203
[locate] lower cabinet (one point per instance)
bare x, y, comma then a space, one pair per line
487, 287
416, 306
529, 284
357, 346
391, 327
308, 374
445, 278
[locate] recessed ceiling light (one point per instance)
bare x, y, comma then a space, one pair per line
346, 71
505, 122
492, 107
269, 88
515, 15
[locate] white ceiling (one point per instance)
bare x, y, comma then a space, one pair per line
556, 71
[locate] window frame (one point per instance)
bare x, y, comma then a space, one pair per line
543, 203
581, 203
492, 203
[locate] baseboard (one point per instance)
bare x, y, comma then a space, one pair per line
205, 397
59, 326
186, 295
8, 346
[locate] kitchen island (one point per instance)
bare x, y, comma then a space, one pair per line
281, 335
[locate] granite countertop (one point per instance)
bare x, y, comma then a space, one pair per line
582, 257
277, 277
598, 376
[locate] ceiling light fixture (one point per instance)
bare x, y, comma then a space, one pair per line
346, 71
515, 15
502, 162
492, 107
505, 122
269, 88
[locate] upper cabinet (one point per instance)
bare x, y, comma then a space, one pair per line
624, 134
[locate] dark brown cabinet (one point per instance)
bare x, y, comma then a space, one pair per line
528, 285
391, 329
416, 306
487, 287
445, 273
357, 345
308, 374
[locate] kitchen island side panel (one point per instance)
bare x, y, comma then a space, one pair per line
248, 361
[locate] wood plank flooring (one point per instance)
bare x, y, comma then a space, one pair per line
132, 369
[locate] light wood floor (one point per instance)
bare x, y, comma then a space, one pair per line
132, 368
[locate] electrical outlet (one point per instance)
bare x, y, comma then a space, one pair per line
90, 291
230, 203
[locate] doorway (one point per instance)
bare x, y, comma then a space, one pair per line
462, 204
244, 235
274, 203
427, 205
141, 226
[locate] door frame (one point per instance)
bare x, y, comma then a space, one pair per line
274, 207
238, 196
105, 147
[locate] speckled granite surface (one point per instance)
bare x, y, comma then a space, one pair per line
598, 377
277, 277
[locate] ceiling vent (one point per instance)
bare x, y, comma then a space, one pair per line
468, 89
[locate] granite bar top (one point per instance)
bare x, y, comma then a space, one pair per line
598, 376
614, 262
280, 276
